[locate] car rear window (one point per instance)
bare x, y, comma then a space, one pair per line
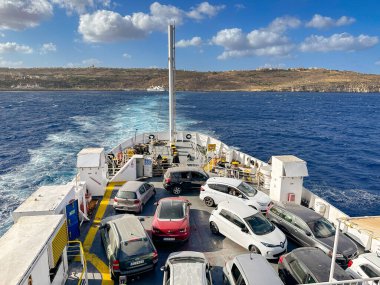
172, 210
126, 195
135, 247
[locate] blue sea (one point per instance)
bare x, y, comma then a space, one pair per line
338, 134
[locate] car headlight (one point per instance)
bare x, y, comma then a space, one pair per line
269, 244
182, 230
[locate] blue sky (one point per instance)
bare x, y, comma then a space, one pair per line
214, 35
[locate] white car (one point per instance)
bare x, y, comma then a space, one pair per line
187, 267
218, 189
250, 269
366, 265
248, 228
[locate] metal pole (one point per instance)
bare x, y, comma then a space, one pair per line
171, 83
337, 230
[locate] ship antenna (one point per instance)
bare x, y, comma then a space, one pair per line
171, 59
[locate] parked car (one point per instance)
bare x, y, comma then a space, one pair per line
306, 265
250, 269
248, 228
171, 221
367, 265
218, 189
187, 267
308, 228
133, 195
128, 247
178, 179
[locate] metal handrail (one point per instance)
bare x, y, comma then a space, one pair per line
78, 244
362, 281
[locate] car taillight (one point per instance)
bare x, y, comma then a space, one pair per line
115, 265
350, 262
136, 202
167, 180
281, 259
155, 255
115, 199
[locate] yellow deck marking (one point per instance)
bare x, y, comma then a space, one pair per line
90, 257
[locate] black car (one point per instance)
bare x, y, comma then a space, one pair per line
177, 179
128, 247
308, 228
308, 265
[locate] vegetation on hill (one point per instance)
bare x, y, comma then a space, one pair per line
297, 79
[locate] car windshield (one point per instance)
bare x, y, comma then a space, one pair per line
135, 247
322, 228
259, 225
247, 189
126, 195
172, 210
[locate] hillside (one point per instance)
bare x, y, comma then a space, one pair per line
313, 80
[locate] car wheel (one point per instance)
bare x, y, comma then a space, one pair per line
214, 228
177, 190
254, 249
209, 201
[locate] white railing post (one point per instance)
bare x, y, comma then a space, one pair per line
337, 230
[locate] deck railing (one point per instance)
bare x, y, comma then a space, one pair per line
75, 251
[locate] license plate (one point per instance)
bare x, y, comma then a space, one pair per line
169, 238
137, 262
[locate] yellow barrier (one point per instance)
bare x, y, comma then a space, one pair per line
82, 258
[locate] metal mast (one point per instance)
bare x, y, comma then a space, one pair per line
172, 127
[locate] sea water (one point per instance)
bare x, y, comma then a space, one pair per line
337, 134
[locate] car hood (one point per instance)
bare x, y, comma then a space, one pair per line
261, 197
170, 224
275, 237
345, 245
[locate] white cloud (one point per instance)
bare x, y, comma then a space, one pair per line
105, 26
239, 6
204, 10
22, 14
48, 47
91, 61
321, 22
195, 41
269, 41
338, 42
6, 63
127, 55
81, 6
12, 47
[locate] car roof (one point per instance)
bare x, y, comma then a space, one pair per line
225, 180
237, 207
257, 270
131, 186
318, 263
303, 212
184, 168
372, 257
187, 253
173, 199
129, 227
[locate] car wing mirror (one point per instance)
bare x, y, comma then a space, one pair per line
240, 196
189, 204
164, 268
244, 230
308, 233
141, 219
155, 203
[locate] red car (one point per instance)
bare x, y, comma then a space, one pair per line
171, 221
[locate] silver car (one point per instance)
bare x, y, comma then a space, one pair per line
250, 269
133, 195
187, 267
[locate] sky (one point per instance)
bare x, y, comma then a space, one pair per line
210, 36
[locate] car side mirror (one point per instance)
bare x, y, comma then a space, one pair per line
244, 230
308, 233
189, 204
163, 268
155, 203
240, 196
141, 219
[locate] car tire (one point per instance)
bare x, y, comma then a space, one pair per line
254, 249
209, 201
176, 190
214, 228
